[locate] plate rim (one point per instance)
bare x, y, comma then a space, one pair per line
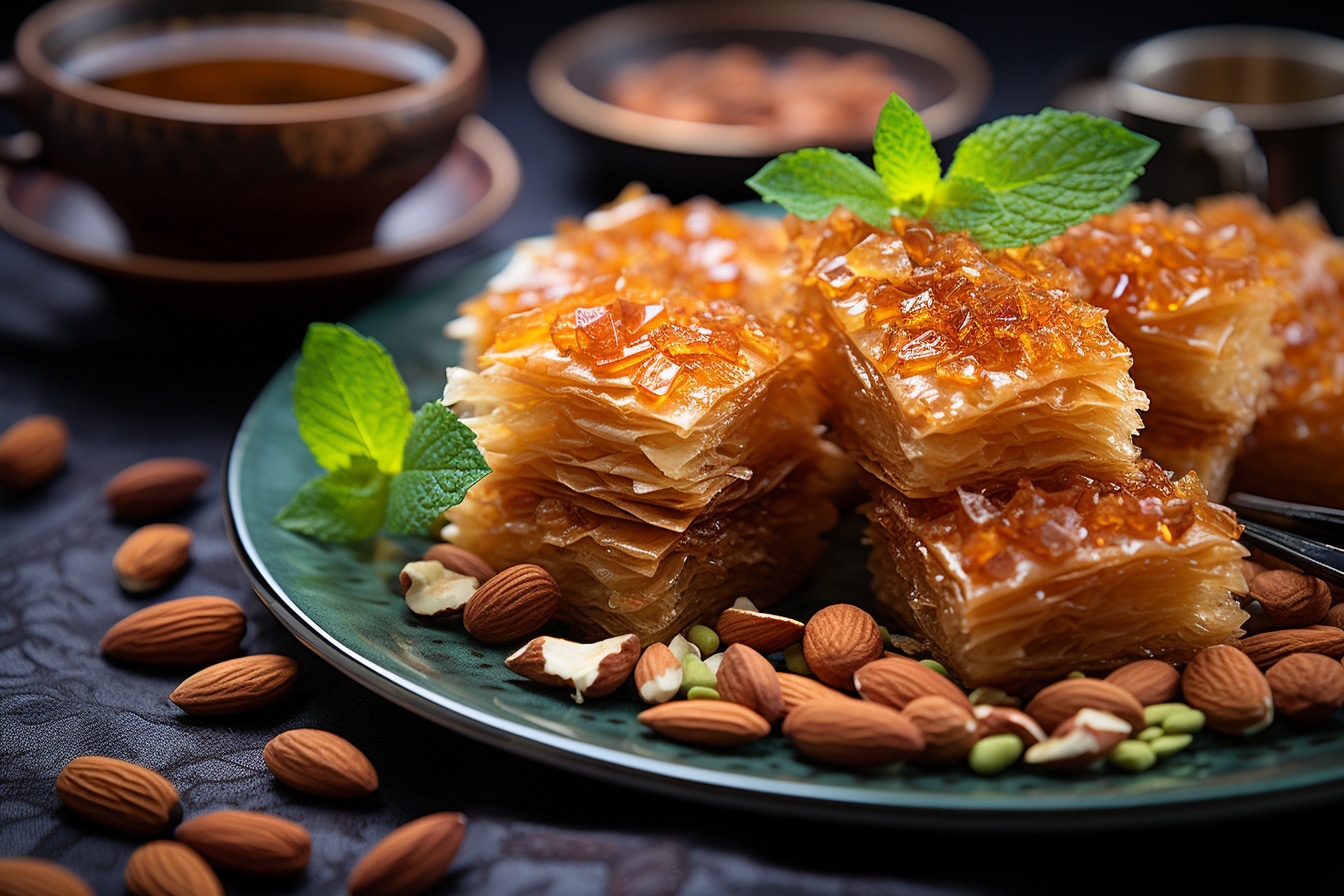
1021, 812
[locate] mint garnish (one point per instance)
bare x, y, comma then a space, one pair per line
386, 467
1020, 179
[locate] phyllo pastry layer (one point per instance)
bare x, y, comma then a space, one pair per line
1194, 300
1017, 586
953, 366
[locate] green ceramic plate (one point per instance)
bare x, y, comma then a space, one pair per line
345, 604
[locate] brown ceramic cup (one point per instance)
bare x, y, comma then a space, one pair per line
243, 129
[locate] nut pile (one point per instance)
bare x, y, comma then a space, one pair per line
843, 691
204, 632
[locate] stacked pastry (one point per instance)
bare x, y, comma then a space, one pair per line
1194, 299
1013, 525
653, 444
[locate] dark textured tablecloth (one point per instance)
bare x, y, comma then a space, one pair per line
132, 386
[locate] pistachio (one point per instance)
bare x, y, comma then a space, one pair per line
991, 755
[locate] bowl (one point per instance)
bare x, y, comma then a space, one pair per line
782, 64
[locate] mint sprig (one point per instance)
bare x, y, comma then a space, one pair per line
386, 467
1017, 180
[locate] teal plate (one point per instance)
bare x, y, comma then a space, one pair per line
344, 603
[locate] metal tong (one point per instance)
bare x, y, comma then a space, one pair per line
1304, 535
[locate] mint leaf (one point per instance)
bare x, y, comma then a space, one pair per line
441, 463
1044, 173
812, 182
349, 399
904, 157
344, 506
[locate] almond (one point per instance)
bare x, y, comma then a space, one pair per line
320, 763
155, 487
461, 561
1290, 599
23, 876
998, 719
657, 674
1226, 685
766, 632
948, 727
119, 795
1307, 687
1059, 701
745, 676
237, 685
706, 723
152, 556
410, 859
251, 842
896, 680
1080, 741
838, 640
797, 689
591, 670
853, 733
32, 450
188, 630
513, 604
169, 868
431, 589
1150, 681
1267, 648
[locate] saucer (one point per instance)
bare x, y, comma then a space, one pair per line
468, 191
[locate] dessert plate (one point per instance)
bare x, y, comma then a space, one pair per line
344, 602
470, 189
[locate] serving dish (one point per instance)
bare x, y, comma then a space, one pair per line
344, 603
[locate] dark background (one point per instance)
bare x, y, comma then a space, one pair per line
133, 386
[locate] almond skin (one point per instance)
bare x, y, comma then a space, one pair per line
460, 560
1307, 687
1150, 681
706, 723
748, 678
152, 556
896, 680
1224, 683
1267, 648
798, 689
410, 859
1290, 599
657, 674
1057, 702
592, 670
251, 842
766, 632
948, 727
838, 640
320, 763
186, 631
853, 733
238, 685
32, 451
154, 488
513, 604
169, 868
119, 795
23, 876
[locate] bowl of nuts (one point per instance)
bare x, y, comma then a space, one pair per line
701, 94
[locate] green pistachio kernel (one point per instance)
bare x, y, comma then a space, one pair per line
991, 755
700, 692
1133, 756
1154, 714
935, 666
886, 637
1076, 674
794, 660
1184, 721
704, 637
1170, 744
1150, 734
695, 674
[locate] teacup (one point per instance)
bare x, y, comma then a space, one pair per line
243, 129
1242, 108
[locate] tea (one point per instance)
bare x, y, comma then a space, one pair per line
256, 62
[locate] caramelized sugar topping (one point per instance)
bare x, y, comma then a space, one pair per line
1150, 258
944, 305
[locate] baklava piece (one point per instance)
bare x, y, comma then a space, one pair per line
953, 366
1016, 586
1194, 300
658, 450
1294, 450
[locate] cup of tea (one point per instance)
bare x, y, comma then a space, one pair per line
1238, 108
243, 129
